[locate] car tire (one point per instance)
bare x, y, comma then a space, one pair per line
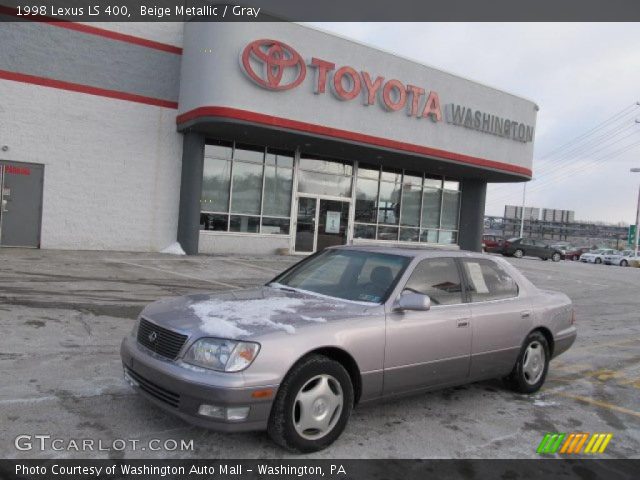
532, 365
598, 261
556, 257
518, 253
624, 263
323, 384
575, 258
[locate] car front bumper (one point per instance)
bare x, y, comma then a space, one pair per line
181, 391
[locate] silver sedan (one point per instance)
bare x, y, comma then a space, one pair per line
343, 327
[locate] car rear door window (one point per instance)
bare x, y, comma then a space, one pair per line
439, 279
488, 281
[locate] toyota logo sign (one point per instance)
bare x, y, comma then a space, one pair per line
273, 64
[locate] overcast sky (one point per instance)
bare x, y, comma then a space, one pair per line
580, 74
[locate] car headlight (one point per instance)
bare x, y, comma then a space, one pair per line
222, 355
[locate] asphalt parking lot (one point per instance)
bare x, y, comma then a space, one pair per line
63, 315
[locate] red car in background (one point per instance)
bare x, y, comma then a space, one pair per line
573, 253
492, 243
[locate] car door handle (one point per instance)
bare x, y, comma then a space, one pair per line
525, 314
462, 322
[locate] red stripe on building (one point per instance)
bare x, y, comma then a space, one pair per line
270, 120
100, 32
76, 87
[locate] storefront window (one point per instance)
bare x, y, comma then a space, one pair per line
215, 185
243, 223
277, 191
426, 208
324, 177
275, 225
233, 180
366, 200
431, 203
389, 203
450, 206
387, 233
411, 198
364, 231
247, 187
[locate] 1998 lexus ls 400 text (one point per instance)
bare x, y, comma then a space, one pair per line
346, 326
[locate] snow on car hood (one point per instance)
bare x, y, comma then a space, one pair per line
249, 313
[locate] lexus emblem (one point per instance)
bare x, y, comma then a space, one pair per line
153, 336
279, 67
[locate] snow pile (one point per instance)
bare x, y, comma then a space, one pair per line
222, 318
174, 249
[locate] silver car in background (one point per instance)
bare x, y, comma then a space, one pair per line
346, 326
621, 259
597, 256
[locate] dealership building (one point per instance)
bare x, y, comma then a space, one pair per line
242, 138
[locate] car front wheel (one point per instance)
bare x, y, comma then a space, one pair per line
556, 257
598, 260
518, 253
532, 365
312, 406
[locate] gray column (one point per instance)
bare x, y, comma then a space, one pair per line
474, 193
190, 191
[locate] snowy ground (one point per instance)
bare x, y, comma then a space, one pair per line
63, 315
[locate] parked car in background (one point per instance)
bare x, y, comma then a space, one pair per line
492, 243
519, 247
346, 326
573, 253
596, 256
621, 259
562, 247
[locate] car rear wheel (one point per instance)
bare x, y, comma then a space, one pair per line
598, 260
530, 370
519, 253
575, 257
624, 263
312, 406
556, 257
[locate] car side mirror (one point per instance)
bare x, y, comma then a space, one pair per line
414, 301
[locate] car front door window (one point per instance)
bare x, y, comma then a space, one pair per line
439, 279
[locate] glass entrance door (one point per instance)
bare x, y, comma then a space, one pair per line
321, 223
306, 225
333, 216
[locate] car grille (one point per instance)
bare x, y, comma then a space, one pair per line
160, 340
162, 394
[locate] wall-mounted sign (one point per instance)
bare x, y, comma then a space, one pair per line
276, 66
333, 222
13, 170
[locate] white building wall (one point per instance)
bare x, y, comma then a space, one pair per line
112, 167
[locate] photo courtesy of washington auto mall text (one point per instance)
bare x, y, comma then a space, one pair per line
338, 240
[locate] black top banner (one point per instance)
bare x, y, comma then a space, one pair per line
325, 10
293, 469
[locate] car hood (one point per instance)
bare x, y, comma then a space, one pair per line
246, 314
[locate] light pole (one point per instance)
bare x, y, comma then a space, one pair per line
524, 196
635, 243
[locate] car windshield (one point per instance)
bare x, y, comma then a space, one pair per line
346, 274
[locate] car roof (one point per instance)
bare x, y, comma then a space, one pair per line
408, 251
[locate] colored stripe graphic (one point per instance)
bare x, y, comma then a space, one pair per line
598, 443
550, 443
573, 443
